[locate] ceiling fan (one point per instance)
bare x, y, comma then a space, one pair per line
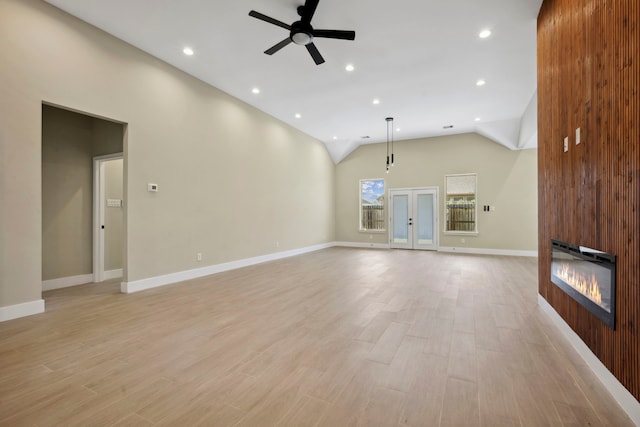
302, 33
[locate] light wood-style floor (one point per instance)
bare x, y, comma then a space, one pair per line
340, 337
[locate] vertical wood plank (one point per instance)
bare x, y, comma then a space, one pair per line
589, 77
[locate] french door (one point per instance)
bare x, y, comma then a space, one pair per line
413, 220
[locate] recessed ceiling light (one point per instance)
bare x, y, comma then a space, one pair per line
376, 101
187, 51
484, 34
335, 138
349, 67
477, 119
397, 129
298, 115
255, 90
480, 82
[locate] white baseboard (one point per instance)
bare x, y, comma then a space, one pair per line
112, 274
154, 282
477, 251
65, 282
625, 399
21, 310
484, 251
362, 245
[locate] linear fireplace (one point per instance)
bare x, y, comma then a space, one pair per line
588, 276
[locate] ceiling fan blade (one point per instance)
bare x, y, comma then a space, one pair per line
315, 54
269, 19
335, 34
277, 46
308, 10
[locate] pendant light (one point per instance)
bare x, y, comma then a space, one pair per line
389, 141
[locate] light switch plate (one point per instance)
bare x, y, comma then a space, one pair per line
566, 144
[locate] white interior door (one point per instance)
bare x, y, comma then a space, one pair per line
414, 218
99, 218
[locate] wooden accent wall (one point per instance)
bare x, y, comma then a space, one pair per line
589, 78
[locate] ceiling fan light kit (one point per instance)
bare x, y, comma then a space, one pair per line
302, 38
302, 33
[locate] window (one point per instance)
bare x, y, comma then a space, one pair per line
372, 205
460, 193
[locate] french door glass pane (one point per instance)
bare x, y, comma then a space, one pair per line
400, 219
425, 219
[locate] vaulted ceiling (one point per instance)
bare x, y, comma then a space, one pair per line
420, 59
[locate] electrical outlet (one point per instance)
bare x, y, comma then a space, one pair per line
199, 256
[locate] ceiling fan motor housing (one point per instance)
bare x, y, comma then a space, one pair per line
301, 33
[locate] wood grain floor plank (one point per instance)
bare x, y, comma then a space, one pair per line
495, 390
337, 337
384, 408
306, 412
376, 327
388, 344
352, 401
132, 420
460, 406
423, 404
51, 408
405, 365
535, 407
279, 400
121, 407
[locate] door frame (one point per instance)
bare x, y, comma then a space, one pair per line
98, 213
436, 216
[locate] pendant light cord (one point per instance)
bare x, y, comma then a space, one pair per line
389, 139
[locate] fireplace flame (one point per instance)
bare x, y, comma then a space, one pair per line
586, 286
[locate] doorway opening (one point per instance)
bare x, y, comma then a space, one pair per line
70, 143
108, 217
413, 218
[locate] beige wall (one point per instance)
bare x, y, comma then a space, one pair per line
233, 181
67, 191
113, 216
506, 179
107, 137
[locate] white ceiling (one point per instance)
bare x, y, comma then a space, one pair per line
420, 58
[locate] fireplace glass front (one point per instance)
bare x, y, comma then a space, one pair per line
588, 276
